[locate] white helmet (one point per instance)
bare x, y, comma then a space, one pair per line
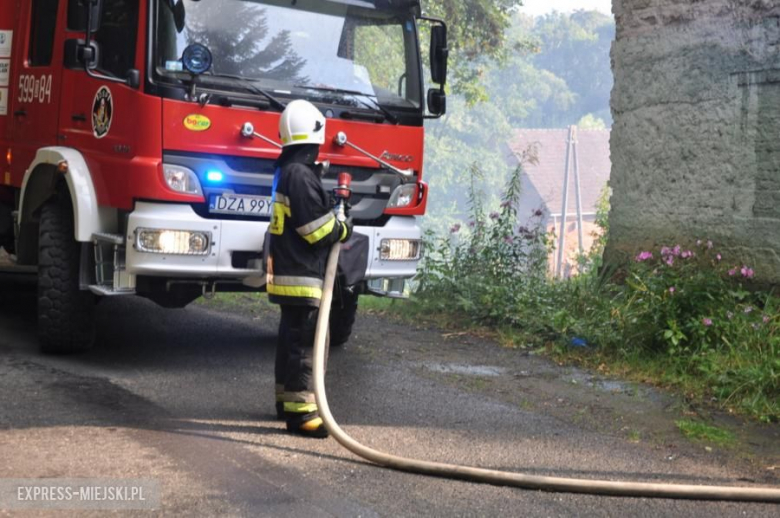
302, 123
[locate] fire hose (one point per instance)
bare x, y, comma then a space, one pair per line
489, 476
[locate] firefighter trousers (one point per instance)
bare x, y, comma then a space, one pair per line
295, 359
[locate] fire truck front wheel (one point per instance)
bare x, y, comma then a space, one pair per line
65, 312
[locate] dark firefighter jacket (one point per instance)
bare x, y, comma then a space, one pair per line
303, 227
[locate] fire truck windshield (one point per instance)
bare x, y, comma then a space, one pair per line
307, 48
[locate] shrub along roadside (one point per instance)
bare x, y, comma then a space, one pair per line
677, 316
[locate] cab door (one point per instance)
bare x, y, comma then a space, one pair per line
112, 124
37, 73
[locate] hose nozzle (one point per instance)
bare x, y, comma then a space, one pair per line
344, 189
342, 193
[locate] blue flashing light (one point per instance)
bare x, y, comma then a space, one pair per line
215, 176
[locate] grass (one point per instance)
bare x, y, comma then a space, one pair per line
702, 432
238, 302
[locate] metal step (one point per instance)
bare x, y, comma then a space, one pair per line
105, 291
111, 239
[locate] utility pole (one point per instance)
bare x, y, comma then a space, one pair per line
575, 153
565, 208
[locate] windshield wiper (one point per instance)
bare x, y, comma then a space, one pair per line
375, 106
250, 86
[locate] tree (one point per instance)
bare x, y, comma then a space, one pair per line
477, 33
576, 48
560, 76
243, 50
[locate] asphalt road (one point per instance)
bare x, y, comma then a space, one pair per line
185, 397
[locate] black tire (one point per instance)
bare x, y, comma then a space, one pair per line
342, 317
66, 315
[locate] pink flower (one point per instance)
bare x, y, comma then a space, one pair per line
709, 245
686, 254
748, 309
672, 290
471, 224
698, 242
455, 228
747, 272
644, 256
706, 321
676, 250
669, 260
766, 319
509, 240
494, 215
732, 272
719, 257
666, 250
506, 204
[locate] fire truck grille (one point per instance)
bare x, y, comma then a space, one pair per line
249, 176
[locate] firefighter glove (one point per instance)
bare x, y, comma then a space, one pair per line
346, 230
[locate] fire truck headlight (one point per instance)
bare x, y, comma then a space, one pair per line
400, 249
173, 242
182, 180
403, 196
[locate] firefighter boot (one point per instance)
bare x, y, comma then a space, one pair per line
303, 419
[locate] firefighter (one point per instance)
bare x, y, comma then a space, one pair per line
303, 229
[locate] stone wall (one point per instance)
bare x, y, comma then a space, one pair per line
696, 138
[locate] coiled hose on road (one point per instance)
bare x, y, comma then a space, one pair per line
501, 478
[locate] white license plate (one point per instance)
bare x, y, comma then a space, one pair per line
240, 205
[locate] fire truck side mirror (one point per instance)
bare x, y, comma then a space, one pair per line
437, 102
439, 54
78, 54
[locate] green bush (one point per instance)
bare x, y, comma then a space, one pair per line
681, 314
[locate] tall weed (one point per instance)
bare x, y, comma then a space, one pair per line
682, 313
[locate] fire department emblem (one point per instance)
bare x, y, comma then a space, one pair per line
102, 112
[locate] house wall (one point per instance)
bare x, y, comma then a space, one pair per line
571, 254
696, 139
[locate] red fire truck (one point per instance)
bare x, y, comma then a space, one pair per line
139, 139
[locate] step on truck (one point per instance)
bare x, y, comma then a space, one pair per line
139, 137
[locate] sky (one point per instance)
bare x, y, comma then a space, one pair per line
537, 7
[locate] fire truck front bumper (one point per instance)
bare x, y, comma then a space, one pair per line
172, 241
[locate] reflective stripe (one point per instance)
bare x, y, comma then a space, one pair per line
285, 280
300, 408
344, 231
321, 233
295, 138
304, 292
297, 397
314, 225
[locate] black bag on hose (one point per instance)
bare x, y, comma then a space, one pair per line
353, 260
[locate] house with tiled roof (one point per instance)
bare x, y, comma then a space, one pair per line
543, 180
